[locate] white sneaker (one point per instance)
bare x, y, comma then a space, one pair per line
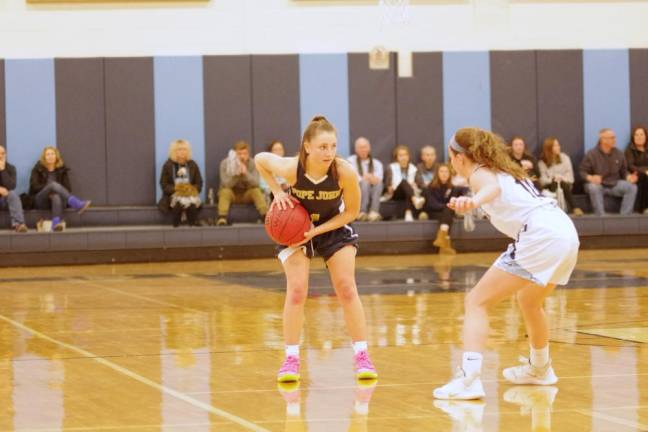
527, 373
461, 387
408, 216
466, 415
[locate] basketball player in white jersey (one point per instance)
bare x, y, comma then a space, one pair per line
543, 255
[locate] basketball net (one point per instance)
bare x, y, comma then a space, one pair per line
394, 12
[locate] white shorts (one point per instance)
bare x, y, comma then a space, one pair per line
546, 249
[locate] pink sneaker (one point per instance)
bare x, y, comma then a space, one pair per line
364, 368
289, 370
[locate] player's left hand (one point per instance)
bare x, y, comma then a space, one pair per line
462, 204
308, 236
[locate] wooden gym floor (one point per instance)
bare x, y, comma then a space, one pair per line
195, 347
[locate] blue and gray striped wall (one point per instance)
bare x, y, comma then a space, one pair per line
113, 118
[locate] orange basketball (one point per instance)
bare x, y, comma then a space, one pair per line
287, 226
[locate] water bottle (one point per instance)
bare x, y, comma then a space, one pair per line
210, 196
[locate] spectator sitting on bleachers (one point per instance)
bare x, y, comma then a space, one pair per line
181, 183
49, 187
400, 181
556, 169
437, 195
277, 148
426, 169
637, 158
239, 183
370, 175
606, 171
9, 199
519, 155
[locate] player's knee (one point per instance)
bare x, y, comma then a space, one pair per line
297, 292
472, 301
527, 302
346, 290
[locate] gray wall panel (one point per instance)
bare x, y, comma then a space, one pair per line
3, 117
419, 105
560, 99
638, 87
228, 109
81, 126
372, 104
513, 96
130, 131
275, 101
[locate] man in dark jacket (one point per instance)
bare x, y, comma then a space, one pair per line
9, 198
606, 171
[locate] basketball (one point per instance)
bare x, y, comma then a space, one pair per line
287, 226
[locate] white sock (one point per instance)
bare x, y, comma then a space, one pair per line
292, 350
472, 363
359, 346
539, 356
444, 227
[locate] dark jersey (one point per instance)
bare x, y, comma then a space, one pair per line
322, 199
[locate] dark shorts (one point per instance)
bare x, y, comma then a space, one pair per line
324, 245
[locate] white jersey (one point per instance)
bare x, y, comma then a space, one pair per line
517, 199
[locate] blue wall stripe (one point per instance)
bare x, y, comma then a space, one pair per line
606, 95
30, 113
466, 91
324, 89
179, 109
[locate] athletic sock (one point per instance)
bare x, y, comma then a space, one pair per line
472, 363
292, 350
539, 356
359, 346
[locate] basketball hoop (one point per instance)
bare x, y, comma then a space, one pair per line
395, 12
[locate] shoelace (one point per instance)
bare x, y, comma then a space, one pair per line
534, 370
362, 361
290, 365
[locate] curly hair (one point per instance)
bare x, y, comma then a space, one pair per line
59, 159
485, 148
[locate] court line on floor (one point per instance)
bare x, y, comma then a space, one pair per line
141, 297
137, 377
612, 419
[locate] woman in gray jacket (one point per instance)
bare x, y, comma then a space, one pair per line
556, 168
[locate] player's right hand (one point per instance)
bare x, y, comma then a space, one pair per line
461, 204
282, 200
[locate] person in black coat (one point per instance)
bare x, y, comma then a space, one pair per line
8, 198
49, 186
437, 195
181, 183
636, 155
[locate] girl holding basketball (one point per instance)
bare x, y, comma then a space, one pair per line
328, 188
543, 255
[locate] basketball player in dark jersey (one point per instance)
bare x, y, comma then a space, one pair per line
328, 188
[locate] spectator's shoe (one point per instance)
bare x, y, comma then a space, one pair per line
20, 228
423, 216
418, 202
374, 216
221, 221
362, 217
461, 387
78, 204
442, 241
527, 373
577, 212
364, 367
408, 216
58, 224
289, 371
386, 197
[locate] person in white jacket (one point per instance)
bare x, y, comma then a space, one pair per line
400, 182
556, 170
